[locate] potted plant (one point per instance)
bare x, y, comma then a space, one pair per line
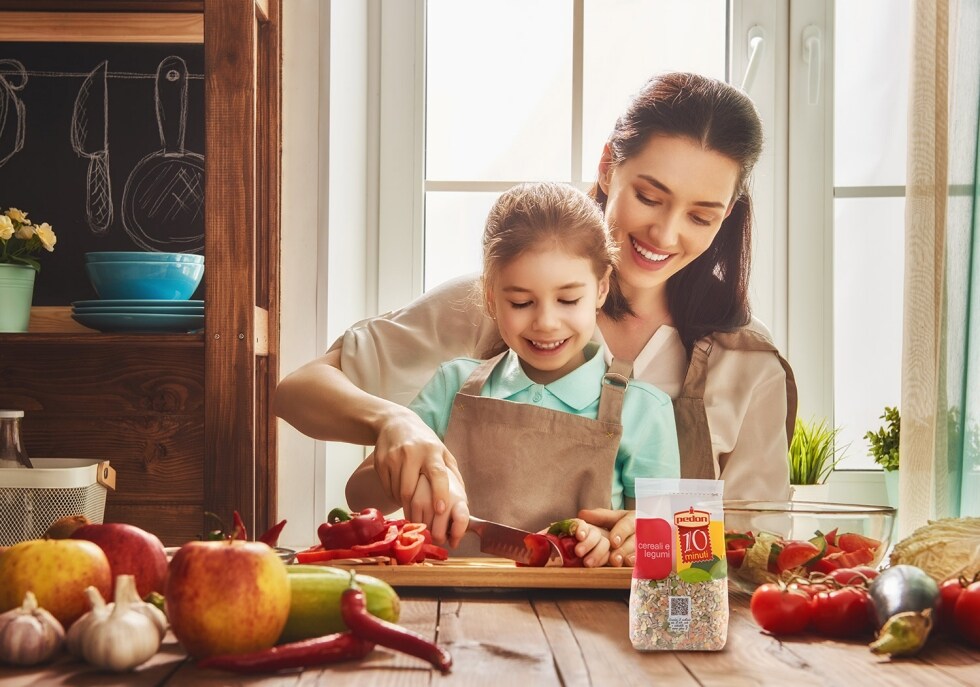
20, 242
813, 453
884, 450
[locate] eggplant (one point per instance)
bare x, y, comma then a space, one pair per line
904, 599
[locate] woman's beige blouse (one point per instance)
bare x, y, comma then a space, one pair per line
394, 355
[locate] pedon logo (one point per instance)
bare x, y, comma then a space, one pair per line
692, 518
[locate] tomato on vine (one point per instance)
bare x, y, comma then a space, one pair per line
779, 609
844, 612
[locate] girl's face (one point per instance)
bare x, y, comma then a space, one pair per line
545, 304
665, 207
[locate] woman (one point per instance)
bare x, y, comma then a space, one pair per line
673, 184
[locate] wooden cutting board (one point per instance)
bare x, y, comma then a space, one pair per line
488, 572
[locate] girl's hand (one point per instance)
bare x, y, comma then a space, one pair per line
407, 449
622, 531
452, 523
593, 544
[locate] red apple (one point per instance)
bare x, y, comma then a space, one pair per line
131, 551
226, 597
57, 571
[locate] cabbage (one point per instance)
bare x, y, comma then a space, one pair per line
944, 548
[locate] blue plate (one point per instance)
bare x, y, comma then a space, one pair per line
109, 302
120, 322
139, 310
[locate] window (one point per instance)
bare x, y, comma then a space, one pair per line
473, 101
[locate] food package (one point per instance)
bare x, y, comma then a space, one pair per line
679, 591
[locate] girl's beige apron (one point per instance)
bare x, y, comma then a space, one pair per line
527, 466
693, 435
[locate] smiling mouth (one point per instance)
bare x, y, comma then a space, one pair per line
546, 345
646, 254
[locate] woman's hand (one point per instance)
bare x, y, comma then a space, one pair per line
622, 528
407, 449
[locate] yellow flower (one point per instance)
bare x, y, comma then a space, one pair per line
25, 232
6, 228
17, 215
46, 234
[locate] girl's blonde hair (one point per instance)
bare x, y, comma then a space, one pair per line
535, 216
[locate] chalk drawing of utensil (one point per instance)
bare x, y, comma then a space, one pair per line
90, 139
12, 120
163, 200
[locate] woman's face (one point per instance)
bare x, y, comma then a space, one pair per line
665, 207
545, 304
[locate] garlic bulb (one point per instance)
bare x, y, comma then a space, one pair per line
117, 636
29, 635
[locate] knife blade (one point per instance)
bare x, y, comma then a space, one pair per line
503, 541
90, 139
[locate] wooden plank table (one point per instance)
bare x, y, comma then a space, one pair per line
558, 637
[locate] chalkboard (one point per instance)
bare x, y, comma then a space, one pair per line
105, 142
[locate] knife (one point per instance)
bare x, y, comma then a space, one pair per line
90, 139
503, 541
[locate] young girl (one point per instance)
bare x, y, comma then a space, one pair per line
543, 429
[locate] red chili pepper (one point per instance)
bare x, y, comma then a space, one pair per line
239, 533
353, 611
271, 535
342, 646
407, 548
361, 528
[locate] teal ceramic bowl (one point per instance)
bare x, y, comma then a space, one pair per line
145, 279
142, 256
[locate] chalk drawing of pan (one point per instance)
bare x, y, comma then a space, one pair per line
90, 139
163, 200
13, 78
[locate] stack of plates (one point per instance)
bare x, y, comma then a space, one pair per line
130, 315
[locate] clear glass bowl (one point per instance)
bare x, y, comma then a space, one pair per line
758, 533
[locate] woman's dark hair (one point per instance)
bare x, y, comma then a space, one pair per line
711, 293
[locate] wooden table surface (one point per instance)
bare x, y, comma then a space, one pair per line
558, 637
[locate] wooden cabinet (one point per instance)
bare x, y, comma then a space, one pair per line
184, 419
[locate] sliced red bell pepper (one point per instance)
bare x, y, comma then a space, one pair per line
310, 556
562, 534
380, 547
360, 528
407, 547
434, 551
271, 535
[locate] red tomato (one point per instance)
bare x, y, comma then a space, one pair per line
860, 575
795, 555
856, 542
810, 589
844, 612
780, 610
966, 615
949, 593
735, 557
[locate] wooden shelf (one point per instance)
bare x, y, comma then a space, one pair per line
95, 338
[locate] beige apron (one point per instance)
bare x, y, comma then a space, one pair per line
528, 466
693, 435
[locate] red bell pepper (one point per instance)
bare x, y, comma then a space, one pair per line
357, 528
407, 547
381, 547
562, 534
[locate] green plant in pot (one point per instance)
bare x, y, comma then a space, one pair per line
884, 450
884, 442
813, 453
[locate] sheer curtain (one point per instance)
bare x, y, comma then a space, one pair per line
940, 440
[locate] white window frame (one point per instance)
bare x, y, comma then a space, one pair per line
792, 278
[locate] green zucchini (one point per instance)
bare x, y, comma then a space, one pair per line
314, 600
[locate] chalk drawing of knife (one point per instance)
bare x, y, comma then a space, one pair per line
90, 139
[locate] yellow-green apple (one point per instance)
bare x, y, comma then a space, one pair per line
226, 597
57, 571
131, 551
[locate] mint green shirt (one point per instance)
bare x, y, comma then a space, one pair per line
648, 447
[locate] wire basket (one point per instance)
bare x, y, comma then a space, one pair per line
30, 500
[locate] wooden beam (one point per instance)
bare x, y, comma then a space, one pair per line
230, 39
101, 27
262, 10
